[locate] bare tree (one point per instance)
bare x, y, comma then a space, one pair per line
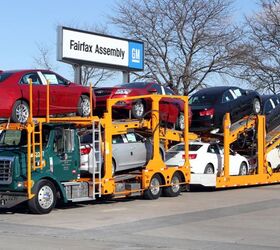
94, 75
43, 59
186, 40
260, 63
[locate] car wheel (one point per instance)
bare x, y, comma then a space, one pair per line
138, 109
154, 190
209, 169
20, 112
243, 169
113, 167
180, 123
175, 188
45, 197
256, 106
84, 106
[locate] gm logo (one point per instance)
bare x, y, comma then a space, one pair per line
136, 55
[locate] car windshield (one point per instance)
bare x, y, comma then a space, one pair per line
136, 85
203, 99
4, 76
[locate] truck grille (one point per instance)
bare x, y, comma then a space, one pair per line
6, 170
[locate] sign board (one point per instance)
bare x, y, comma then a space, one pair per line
83, 47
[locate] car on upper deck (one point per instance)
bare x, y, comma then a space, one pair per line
65, 96
271, 110
210, 105
171, 110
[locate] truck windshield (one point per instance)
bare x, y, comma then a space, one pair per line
13, 138
19, 138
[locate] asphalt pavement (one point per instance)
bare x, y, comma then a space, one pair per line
243, 218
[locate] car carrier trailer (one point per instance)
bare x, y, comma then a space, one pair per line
46, 167
265, 142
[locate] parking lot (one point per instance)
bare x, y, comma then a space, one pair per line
247, 218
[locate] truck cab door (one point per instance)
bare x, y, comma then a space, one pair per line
64, 162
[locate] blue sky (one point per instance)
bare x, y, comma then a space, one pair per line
27, 24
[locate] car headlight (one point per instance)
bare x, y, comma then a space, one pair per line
123, 91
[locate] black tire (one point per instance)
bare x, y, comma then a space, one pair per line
138, 109
113, 167
175, 188
161, 153
243, 170
20, 113
209, 169
84, 106
154, 191
256, 106
45, 197
180, 123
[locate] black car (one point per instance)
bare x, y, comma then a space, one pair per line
271, 110
210, 105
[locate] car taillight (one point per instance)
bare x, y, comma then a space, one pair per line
85, 151
207, 112
191, 156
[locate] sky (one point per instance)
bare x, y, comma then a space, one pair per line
27, 25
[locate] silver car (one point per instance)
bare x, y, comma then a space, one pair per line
130, 151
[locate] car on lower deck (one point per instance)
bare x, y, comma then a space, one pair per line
206, 158
171, 110
130, 151
65, 96
210, 105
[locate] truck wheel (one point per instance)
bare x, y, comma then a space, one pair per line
84, 106
138, 109
20, 112
45, 197
175, 188
154, 190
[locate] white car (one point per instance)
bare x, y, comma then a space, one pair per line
273, 158
206, 158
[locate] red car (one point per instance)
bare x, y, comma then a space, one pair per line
171, 110
65, 96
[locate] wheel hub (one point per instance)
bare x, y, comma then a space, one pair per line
155, 186
45, 197
85, 105
22, 113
